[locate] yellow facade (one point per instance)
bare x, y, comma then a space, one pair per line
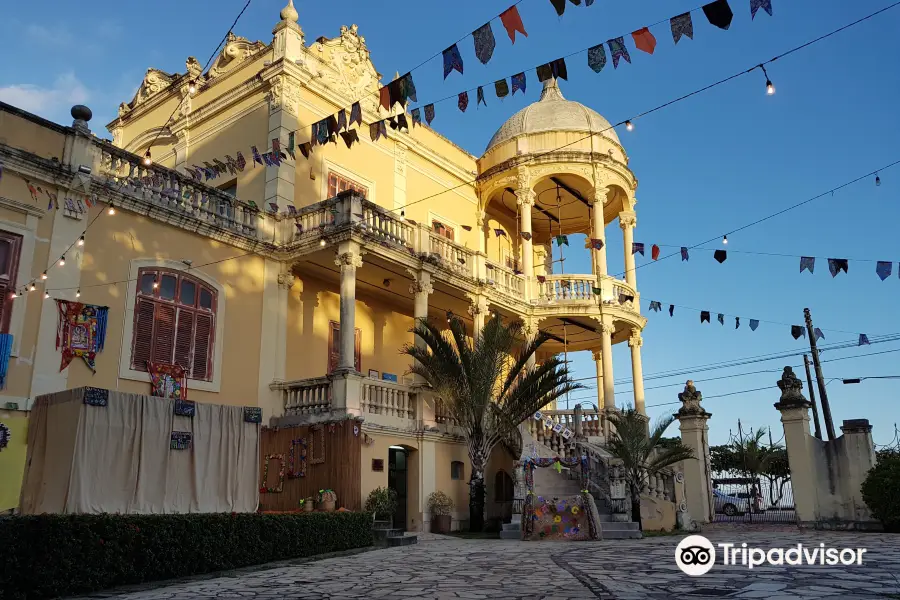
280, 278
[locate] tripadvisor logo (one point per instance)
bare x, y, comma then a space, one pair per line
695, 555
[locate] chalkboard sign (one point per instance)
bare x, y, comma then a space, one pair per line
181, 440
185, 408
252, 414
96, 396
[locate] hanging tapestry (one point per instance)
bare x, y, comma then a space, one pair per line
318, 446
81, 331
167, 381
297, 468
6, 342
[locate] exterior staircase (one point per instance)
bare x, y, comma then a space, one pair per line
386, 536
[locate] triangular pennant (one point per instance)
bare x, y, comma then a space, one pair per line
502, 88
655, 306
452, 60
402, 123
737, 322
349, 137
525, 235
682, 25
637, 247
462, 101
544, 72
596, 244
518, 83
484, 43
596, 58
863, 339
416, 115
883, 269
559, 5
558, 68
654, 252
808, 263
720, 255
684, 253
384, 97
429, 113
818, 334
754, 323
796, 331
356, 113
291, 145
305, 149
480, 97
671, 310
644, 40
721, 318
562, 239
704, 316
512, 22
256, 157
500, 233
836, 265
342, 120
755, 5
618, 50
466, 227
718, 13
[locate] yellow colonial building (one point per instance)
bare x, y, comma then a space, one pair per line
292, 286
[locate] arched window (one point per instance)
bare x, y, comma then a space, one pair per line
174, 322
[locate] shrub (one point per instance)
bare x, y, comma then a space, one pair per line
440, 504
881, 489
382, 501
61, 555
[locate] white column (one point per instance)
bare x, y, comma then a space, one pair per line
531, 331
478, 310
598, 362
348, 259
694, 434
609, 394
637, 371
598, 232
278, 281
420, 288
628, 221
526, 202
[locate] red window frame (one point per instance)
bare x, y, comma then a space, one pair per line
338, 183
9, 270
334, 347
442, 230
170, 331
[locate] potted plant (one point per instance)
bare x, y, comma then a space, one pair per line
327, 499
382, 502
440, 505
307, 504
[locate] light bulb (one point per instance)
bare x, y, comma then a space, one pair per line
724, 239
14, 295
112, 209
877, 180
402, 214
78, 293
32, 287
629, 125
192, 87
46, 295
148, 160
81, 240
322, 242
770, 87
44, 275
155, 283
62, 260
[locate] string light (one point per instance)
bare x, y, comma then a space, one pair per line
322, 242
192, 87
32, 287
81, 240
155, 282
78, 293
111, 211
148, 160
14, 295
629, 125
62, 260
46, 295
770, 87
724, 239
877, 180
44, 275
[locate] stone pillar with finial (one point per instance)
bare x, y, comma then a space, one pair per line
794, 409
692, 418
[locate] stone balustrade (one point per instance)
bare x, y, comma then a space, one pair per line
306, 396
505, 280
567, 288
388, 399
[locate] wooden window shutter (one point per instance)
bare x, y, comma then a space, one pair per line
357, 353
164, 336
334, 347
142, 344
184, 337
203, 345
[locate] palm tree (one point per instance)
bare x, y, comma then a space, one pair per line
487, 394
642, 455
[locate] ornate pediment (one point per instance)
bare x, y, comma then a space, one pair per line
155, 81
236, 50
351, 70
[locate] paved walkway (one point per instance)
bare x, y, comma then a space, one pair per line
448, 568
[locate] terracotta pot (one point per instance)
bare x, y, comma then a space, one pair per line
440, 523
327, 505
308, 506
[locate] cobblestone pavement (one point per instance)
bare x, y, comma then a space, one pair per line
445, 568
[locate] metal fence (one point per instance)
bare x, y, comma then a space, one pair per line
753, 500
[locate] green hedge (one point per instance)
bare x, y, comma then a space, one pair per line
59, 555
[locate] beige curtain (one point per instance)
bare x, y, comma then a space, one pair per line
91, 459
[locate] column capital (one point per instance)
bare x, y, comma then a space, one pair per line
598, 196
421, 286
635, 341
525, 196
607, 328
627, 220
284, 94
348, 259
523, 178
286, 280
598, 355
531, 326
479, 305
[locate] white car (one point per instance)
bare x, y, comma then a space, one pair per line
730, 505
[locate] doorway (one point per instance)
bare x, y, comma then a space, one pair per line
397, 481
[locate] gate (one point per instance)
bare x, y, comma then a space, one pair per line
753, 500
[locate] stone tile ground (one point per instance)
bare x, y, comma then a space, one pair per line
448, 568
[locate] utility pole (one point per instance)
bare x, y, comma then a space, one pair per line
823, 395
812, 397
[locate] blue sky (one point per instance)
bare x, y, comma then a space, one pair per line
707, 165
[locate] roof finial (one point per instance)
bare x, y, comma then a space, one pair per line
289, 13
551, 90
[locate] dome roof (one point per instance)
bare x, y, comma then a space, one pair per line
552, 113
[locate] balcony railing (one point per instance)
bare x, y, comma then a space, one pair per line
505, 280
388, 399
567, 288
456, 258
306, 396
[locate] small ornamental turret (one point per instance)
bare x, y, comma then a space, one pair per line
690, 402
791, 391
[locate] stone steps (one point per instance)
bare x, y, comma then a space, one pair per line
619, 530
513, 529
386, 535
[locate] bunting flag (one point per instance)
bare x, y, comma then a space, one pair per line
597, 291
466, 227
525, 235
484, 43
863, 339
356, 114
704, 316
644, 40
332, 124
559, 5
518, 83
553, 69
883, 269
718, 13
500, 233
596, 58
623, 298
241, 161
671, 310
596, 244
350, 136
637, 247
429, 113
682, 25
402, 123
654, 252
720, 255
618, 50
463, 101
408, 88
305, 149
512, 22
452, 60
541, 279
836, 265
808, 263
655, 306
818, 334
684, 253
290, 148
737, 322
755, 5
256, 156
377, 130
416, 115
342, 120
384, 96
562, 239
721, 318
796, 331
480, 97
754, 323
502, 88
